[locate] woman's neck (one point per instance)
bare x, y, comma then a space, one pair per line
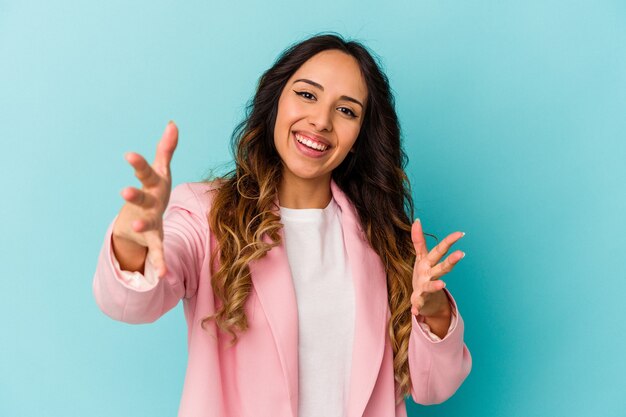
298, 193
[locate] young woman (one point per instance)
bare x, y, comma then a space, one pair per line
307, 289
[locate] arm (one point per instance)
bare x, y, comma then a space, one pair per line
438, 368
136, 297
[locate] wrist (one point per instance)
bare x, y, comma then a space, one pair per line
439, 322
438, 306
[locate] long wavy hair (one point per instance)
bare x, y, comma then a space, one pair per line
244, 209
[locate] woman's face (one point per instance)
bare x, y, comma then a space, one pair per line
321, 105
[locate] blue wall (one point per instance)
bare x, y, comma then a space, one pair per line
513, 116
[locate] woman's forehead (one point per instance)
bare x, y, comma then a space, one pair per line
336, 72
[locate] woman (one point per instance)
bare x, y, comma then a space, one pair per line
306, 288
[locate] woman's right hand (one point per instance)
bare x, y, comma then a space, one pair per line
139, 225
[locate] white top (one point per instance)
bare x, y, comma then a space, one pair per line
324, 290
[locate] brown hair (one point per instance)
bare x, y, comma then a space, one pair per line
243, 209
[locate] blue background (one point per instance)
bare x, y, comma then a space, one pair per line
513, 116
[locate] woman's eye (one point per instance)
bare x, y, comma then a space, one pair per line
347, 111
309, 96
305, 94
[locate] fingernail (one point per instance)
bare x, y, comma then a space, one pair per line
171, 122
417, 219
463, 255
463, 234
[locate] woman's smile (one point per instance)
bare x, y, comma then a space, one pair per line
310, 147
318, 118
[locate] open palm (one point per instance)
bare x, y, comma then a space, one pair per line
141, 221
427, 298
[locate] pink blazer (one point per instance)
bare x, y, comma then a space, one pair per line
259, 376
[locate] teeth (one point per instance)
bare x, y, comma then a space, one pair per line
310, 143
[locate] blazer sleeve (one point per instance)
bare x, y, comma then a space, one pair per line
438, 367
133, 297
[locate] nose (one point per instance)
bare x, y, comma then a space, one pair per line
321, 119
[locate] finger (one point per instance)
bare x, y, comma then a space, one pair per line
417, 236
442, 247
166, 148
417, 300
143, 170
143, 225
433, 286
138, 197
446, 266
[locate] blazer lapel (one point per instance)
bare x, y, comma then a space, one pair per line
370, 293
272, 280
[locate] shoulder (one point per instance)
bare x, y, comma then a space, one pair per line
195, 197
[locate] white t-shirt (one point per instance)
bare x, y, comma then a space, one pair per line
324, 290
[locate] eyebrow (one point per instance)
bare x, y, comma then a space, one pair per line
313, 83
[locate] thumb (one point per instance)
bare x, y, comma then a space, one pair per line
165, 148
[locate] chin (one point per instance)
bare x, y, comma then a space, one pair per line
306, 175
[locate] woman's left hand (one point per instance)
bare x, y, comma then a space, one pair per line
428, 299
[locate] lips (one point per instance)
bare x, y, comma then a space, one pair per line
307, 150
310, 143
313, 138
